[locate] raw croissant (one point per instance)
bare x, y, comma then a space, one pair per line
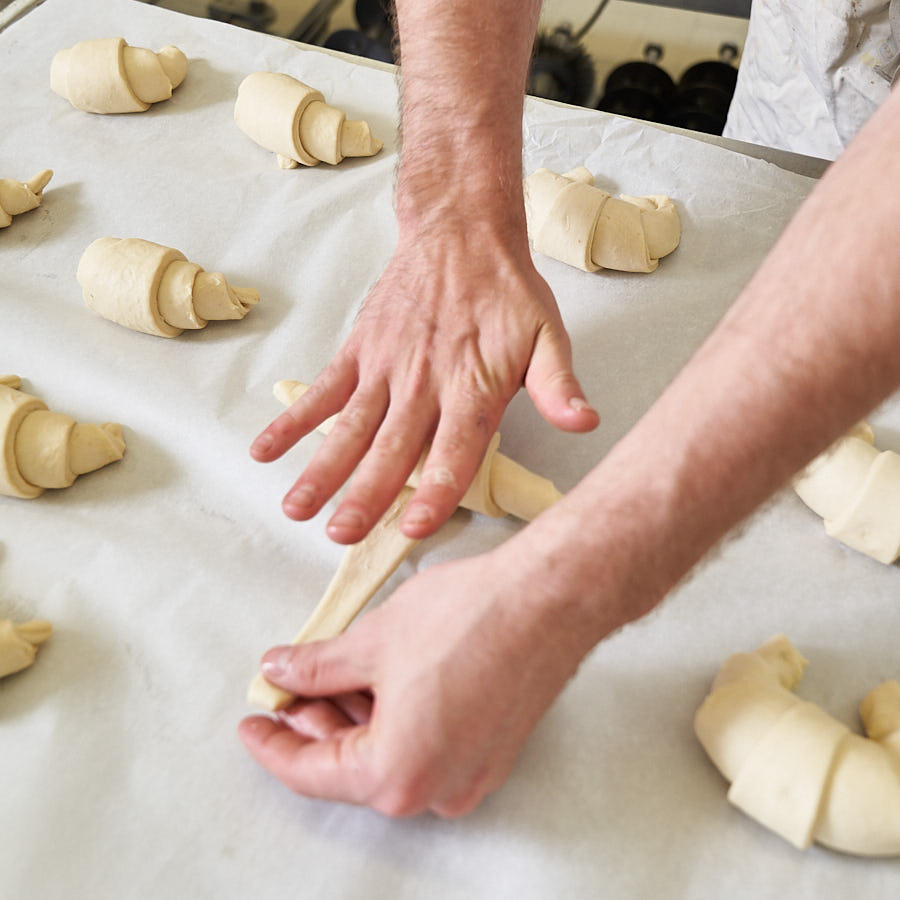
794, 768
43, 449
20, 196
500, 487
579, 224
19, 643
293, 120
154, 289
108, 76
856, 490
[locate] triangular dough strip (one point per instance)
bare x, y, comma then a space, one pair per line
364, 568
501, 486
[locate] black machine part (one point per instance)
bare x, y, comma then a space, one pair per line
313, 27
704, 93
349, 40
560, 68
640, 89
255, 14
375, 37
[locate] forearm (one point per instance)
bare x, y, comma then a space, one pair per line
808, 348
463, 69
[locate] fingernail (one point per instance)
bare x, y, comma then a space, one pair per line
346, 519
420, 514
301, 498
579, 404
263, 443
275, 661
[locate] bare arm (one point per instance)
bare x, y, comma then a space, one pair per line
460, 318
809, 346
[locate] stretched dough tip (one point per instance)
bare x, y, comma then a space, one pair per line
287, 391
38, 182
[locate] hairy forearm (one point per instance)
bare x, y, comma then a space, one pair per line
808, 348
463, 70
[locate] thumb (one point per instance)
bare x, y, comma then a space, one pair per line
316, 669
552, 384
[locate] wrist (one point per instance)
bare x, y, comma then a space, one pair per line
460, 184
593, 562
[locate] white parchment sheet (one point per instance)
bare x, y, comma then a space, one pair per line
168, 574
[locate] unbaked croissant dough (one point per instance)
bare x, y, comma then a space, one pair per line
43, 449
154, 289
579, 224
19, 643
293, 120
856, 490
364, 568
500, 487
20, 196
108, 76
794, 768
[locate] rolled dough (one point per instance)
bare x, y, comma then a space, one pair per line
293, 120
108, 76
579, 224
793, 767
151, 288
43, 449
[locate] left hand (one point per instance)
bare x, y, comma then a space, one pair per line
425, 703
458, 322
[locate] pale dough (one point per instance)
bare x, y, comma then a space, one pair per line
364, 567
108, 76
794, 768
293, 120
154, 289
501, 486
21, 196
579, 224
856, 490
43, 449
19, 643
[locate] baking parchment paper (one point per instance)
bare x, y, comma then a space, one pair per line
168, 574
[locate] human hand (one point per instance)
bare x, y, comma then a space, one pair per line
425, 703
458, 322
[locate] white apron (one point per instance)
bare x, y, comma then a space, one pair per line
812, 72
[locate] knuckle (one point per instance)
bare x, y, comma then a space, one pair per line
352, 424
400, 790
562, 378
392, 446
399, 802
306, 669
285, 425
